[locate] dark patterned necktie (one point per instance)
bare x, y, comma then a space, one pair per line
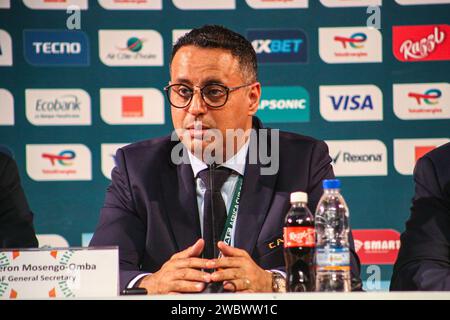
221, 174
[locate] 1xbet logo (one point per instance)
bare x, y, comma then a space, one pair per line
279, 46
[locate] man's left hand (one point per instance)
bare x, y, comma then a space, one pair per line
239, 272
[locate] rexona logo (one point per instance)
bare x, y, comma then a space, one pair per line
55, 4
377, 246
422, 101
351, 103
58, 162
350, 3
205, 5
350, 45
6, 53
56, 48
417, 2
5, 4
131, 47
408, 151
277, 4
279, 45
6, 108
132, 106
131, 4
358, 157
284, 104
56, 107
421, 43
109, 157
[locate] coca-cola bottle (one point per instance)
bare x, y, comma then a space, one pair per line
299, 245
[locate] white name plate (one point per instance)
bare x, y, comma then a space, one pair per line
59, 273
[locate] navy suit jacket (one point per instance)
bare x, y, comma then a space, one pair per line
423, 262
151, 212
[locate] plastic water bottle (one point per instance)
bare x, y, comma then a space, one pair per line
332, 242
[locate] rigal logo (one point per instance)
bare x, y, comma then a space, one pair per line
421, 43
416, 101
284, 104
408, 151
131, 4
55, 107
58, 162
109, 157
55, 4
132, 106
279, 46
350, 45
351, 103
6, 108
358, 157
56, 48
350, 3
205, 5
277, 4
131, 47
6, 56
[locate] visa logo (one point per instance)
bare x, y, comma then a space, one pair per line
277, 45
354, 102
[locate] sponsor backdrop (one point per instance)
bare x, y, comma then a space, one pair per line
77, 85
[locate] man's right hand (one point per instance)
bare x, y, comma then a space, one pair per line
181, 274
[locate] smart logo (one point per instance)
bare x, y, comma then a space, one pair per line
63, 158
56, 48
279, 46
284, 104
356, 41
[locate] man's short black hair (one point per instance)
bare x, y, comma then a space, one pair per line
214, 36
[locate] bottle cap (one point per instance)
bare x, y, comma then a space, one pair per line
331, 184
299, 196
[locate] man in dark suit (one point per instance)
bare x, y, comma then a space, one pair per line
16, 220
423, 262
158, 207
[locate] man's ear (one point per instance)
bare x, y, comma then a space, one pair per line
254, 96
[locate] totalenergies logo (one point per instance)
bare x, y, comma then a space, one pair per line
355, 41
134, 44
430, 97
63, 158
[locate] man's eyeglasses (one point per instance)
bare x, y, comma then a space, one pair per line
214, 95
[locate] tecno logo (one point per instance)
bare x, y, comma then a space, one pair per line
58, 162
350, 45
56, 48
351, 103
131, 4
276, 4
358, 157
422, 101
284, 104
350, 3
408, 151
55, 107
279, 46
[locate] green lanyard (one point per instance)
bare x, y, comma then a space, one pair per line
232, 213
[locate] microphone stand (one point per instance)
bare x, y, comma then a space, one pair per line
213, 287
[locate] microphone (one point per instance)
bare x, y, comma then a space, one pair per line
213, 287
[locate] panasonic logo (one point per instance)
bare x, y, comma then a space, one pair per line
283, 104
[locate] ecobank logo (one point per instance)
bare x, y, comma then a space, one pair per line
205, 5
408, 151
131, 4
284, 104
56, 48
350, 45
109, 157
358, 157
277, 4
422, 101
6, 108
57, 107
6, 51
55, 4
351, 103
279, 46
58, 162
350, 3
130, 47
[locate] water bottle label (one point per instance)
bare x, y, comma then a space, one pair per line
299, 237
333, 259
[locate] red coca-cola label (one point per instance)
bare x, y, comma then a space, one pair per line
299, 237
421, 43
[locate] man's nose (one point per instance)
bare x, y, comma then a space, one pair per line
197, 105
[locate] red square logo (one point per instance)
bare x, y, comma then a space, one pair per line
132, 106
422, 150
